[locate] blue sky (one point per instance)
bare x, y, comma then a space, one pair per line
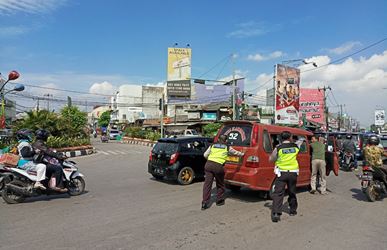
73, 44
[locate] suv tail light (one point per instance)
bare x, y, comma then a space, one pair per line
173, 158
252, 161
254, 136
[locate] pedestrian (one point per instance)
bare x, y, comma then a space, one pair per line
216, 156
318, 165
286, 169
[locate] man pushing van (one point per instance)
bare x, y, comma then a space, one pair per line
286, 170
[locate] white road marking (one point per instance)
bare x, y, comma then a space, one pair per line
112, 152
103, 152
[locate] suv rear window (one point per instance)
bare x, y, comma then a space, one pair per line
238, 134
166, 147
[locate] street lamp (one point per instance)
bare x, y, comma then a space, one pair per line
13, 75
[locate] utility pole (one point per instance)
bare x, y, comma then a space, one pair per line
325, 88
233, 88
340, 116
161, 108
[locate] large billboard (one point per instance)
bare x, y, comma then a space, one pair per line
179, 64
287, 93
180, 88
312, 105
379, 117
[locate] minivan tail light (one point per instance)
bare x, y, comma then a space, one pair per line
173, 158
255, 136
252, 161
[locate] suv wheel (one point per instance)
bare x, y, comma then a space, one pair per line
185, 176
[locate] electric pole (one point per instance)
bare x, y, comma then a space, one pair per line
325, 88
233, 88
340, 116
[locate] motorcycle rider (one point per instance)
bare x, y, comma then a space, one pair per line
373, 153
54, 169
26, 153
349, 147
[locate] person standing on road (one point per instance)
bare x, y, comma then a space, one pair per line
286, 169
318, 165
216, 156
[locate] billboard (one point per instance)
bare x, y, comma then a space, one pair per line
312, 105
379, 117
181, 89
179, 64
287, 102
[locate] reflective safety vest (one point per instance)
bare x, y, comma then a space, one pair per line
287, 156
218, 153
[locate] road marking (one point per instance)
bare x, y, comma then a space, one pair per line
103, 152
112, 152
123, 153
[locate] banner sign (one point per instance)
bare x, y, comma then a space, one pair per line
312, 105
379, 117
179, 64
287, 102
179, 88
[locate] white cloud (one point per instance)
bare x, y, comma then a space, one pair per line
249, 29
104, 88
344, 48
357, 83
13, 31
259, 57
29, 6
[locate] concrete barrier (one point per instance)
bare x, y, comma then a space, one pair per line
137, 141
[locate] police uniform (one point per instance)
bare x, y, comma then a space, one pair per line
216, 157
286, 169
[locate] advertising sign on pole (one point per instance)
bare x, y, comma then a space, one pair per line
179, 64
312, 105
287, 102
379, 117
180, 88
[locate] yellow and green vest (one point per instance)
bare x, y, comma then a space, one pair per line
287, 156
218, 153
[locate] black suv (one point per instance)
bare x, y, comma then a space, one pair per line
179, 159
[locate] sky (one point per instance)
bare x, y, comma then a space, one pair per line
95, 46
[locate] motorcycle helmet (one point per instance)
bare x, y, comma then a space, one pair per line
349, 137
373, 140
24, 134
42, 134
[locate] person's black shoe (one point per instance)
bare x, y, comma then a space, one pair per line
205, 206
275, 217
220, 203
293, 213
313, 191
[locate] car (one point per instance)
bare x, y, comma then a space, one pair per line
254, 170
113, 134
180, 159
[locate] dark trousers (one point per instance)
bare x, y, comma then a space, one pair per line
213, 170
289, 179
55, 171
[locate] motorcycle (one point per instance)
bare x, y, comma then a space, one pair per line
347, 161
19, 183
374, 182
104, 138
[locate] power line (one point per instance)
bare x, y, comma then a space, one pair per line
216, 65
263, 84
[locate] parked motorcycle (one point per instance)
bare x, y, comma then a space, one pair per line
374, 182
19, 183
347, 162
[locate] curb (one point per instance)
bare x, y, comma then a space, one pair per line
76, 153
136, 141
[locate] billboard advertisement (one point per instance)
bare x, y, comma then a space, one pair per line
180, 88
312, 105
179, 64
287, 93
379, 117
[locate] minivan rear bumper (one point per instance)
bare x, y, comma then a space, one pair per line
169, 172
250, 178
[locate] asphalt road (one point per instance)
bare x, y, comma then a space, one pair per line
124, 208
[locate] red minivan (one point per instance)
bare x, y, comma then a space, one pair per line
257, 140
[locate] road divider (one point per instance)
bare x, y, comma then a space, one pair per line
144, 142
76, 151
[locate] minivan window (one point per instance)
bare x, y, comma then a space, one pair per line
303, 148
166, 147
238, 134
267, 142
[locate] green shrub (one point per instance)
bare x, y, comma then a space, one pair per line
63, 142
210, 130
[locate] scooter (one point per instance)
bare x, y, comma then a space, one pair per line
347, 161
19, 183
374, 182
104, 138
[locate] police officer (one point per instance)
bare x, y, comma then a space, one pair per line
286, 169
216, 156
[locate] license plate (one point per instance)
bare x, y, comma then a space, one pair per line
232, 158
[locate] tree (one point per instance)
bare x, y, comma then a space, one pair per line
104, 119
74, 121
41, 119
211, 129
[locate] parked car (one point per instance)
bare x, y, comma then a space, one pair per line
113, 134
257, 140
179, 159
